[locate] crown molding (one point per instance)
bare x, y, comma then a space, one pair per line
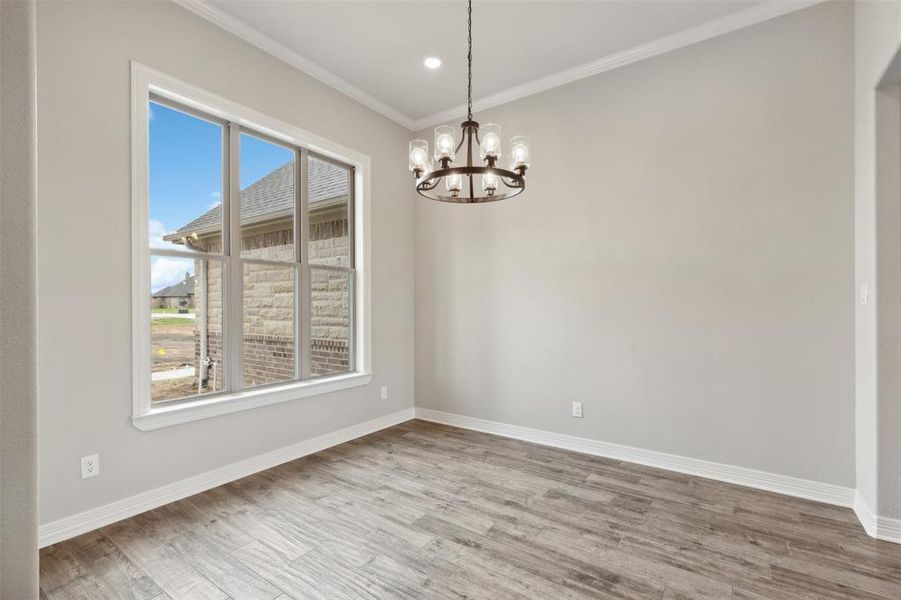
247, 33
745, 18
686, 37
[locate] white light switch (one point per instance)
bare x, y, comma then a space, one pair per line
384, 392
864, 294
577, 410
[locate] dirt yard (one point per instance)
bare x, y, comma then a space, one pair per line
172, 344
170, 389
172, 347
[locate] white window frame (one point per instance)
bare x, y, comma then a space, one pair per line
146, 81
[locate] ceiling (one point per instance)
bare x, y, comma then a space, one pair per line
374, 50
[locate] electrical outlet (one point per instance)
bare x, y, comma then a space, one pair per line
577, 410
90, 466
384, 392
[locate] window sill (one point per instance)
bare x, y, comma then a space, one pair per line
185, 412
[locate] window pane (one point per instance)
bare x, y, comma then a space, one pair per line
267, 200
330, 322
268, 324
329, 207
185, 327
185, 181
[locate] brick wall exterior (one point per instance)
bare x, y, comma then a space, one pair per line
329, 356
269, 303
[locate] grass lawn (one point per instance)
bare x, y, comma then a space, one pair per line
186, 324
169, 310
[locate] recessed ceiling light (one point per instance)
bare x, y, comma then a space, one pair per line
432, 62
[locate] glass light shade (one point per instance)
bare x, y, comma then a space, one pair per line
489, 183
519, 152
454, 184
419, 155
445, 142
490, 140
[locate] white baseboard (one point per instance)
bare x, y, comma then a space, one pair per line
881, 528
888, 529
67, 527
864, 514
771, 482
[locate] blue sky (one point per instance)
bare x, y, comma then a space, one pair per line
186, 178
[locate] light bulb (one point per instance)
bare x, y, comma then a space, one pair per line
490, 141
454, 184
489, 183
445, 143
419, 155
519, 152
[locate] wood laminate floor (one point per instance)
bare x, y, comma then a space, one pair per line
427, 511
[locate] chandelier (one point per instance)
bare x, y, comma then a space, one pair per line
469, 183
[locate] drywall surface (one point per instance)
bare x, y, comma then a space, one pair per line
84, 266
682, 261
18, 304
888, 299
878, 432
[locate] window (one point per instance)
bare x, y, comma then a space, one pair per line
247, 239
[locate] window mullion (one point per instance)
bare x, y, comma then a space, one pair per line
351, 214
352, 291
304, 297
234, 329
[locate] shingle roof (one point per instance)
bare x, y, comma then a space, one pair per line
179, 290
273, 196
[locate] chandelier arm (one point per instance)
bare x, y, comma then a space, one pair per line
460, 145
434, 184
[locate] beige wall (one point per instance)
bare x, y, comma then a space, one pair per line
878, 401
18, 302
681, 261
84, 51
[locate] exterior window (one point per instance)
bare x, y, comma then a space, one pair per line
186, 180
251, 249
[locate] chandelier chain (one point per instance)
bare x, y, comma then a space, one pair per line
469, 61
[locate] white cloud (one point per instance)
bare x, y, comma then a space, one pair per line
166, 271
156, 231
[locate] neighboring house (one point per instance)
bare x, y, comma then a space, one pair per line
267, 228
180, 295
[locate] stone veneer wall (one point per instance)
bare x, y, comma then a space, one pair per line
269, 304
